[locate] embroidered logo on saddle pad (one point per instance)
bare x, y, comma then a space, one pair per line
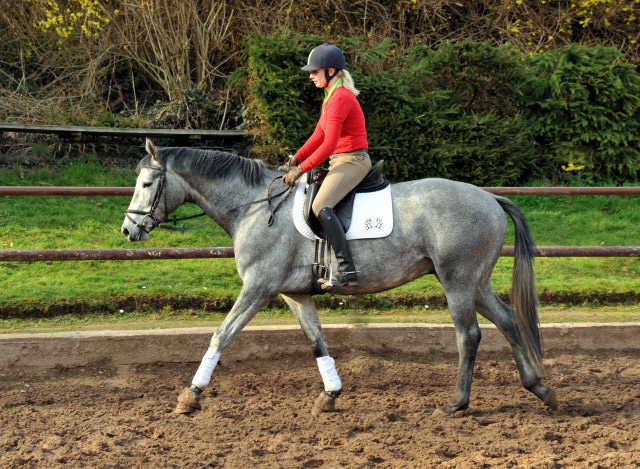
372, 214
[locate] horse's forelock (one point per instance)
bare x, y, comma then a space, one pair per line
144, 163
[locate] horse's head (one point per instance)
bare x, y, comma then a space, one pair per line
152, 201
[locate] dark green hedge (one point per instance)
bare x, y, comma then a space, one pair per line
468, 111
583, 105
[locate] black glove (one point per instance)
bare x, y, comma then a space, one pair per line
292, 176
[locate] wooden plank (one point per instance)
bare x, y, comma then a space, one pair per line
580, 251
611, 190
60, 190
37, 255
117, 132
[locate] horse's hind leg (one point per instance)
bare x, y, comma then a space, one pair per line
461, 307
304, 308
489, 305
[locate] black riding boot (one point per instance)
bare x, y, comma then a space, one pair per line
332, 227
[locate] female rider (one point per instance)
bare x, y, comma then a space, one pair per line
340, 135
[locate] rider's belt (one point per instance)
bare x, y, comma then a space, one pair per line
362, 150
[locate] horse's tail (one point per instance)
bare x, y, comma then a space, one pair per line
523, 289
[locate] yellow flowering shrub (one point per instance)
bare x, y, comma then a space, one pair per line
572, 167
538, 25
65, 16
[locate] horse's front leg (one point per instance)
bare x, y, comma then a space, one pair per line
248, 303
304, 308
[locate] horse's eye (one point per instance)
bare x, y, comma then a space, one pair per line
146, 185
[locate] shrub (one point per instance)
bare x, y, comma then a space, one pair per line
453, 112
584, 107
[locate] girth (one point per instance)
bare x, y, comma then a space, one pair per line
372, 182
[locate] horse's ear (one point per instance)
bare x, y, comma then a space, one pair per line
151, 149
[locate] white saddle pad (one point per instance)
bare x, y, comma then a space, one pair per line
372, 214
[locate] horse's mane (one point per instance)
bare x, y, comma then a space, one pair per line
211, 164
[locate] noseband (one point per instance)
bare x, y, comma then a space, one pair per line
146, 226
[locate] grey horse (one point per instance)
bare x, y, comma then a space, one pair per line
450, 229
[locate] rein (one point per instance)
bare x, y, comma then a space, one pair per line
183, 228
269, 198
148, 226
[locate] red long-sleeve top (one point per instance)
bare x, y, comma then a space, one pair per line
341, 129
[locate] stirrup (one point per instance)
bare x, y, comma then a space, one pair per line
341, 278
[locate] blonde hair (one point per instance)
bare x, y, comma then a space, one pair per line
347, 82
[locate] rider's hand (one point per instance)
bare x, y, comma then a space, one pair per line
292, 176
293, 161
290, 163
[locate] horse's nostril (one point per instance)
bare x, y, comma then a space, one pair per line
125, 232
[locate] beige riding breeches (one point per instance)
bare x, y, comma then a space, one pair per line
346, 170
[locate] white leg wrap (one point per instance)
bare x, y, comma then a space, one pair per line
329, 374
205, 370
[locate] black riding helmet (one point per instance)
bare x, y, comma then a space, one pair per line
325, 56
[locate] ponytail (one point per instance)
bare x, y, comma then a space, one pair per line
347, 82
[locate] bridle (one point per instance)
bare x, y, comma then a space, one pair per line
155, 222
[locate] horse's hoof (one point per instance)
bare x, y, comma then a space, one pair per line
324, 403
440, 412
188, 402
448, 409
551, 401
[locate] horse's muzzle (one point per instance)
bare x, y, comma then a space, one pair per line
133, 233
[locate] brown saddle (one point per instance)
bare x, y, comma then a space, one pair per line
372, 182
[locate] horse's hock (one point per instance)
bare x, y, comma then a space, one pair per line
37, 352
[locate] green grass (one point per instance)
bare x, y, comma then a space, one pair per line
169, 318
105, 287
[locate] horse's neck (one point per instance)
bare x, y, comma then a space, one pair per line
224, 200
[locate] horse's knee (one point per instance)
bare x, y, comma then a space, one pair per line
469, 339
475, 335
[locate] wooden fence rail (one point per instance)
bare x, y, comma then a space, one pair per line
42, 255
227, 252
114, 254
78, 131
109, 191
